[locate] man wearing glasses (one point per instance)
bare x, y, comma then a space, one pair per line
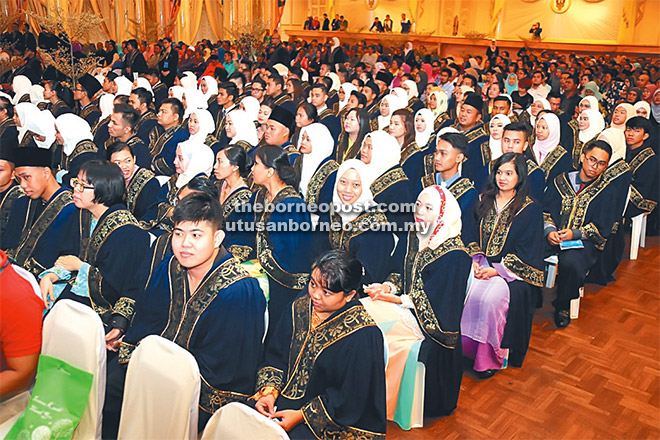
578, 220
258, 89
39, 221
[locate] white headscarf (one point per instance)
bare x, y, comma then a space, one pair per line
496, 144
422, 137
364, 202
630, 112
546, 106
124, 86
395, 104
617, 140
43, 125
448, 222
596, 125
401, 93
542, 148
348, 88
199, 158
251, 105
593, 102
206, 124
37, 94
145, 84
73, 130
21, 86
177, 92
412, 89
26, 112
244, 126
194, 100
106, 105
282, 70
322, 146
644, 105
335, 81
211, 87
189, 80
385, 153
442, 101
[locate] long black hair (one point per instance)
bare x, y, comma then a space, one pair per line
365, 127
522, 187
237, 156
276, 158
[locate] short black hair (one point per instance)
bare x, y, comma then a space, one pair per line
277, 79
328, 82
5, 104
362, 100
116, 147
340, 271
309, 110
204, 185
603, 145
502, 98
517, 126
177, 106
322, 87
128, 114
198, 207
143, 95
553, 94
107, 179
230, 88
457, 140
640, 122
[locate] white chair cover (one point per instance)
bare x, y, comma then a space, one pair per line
162, 392
236, 421
74, 333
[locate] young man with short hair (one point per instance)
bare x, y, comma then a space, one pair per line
163, 150
514, 140
141, 100
121, 127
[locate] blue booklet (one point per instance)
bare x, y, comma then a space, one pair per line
571, 244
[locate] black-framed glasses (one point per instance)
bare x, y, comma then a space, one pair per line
79, 185
595, 162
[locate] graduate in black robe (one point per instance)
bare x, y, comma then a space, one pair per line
75, 136
224, 336
324, 368
546, 153
10, 191
430, 272
39, 222
577, 206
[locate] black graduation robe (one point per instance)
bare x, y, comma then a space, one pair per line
90, 113
163, 150
36, 232
516, 241
83, 152
141, 193
553, 164
8, 132
115, 247
7, 199
393, 188
147, 122
221, 324
436, 282
237, 219
334, 373
644, 166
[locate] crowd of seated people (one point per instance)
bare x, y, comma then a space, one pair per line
368, 184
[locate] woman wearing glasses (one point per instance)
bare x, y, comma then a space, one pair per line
112, 245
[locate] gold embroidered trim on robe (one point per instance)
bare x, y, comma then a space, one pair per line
441, 119
156, 146
212, 399
282, 99
27, 137
551, 159
269, 377
135, 187
494, 228
325, 113
460, 187
323, 427
423, 309
528, 273
244, 145
641, 157
387, 179
640, 202
409, 151
308, 344
147, 116
616, 170
486, 155
81, 148
29, 241
4, 125
99, 124
12, 194
235, 199
318, 180
89, 108
340, 238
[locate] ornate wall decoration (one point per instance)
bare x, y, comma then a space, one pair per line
560, 6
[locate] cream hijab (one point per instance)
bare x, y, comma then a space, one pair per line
496, 144
422, 137
211, 87
350, 212
106, 105
630, 112
596, 124
244, 126
412, 89
199, 159
395, 104
21, 86
206, 125
442, 102
322, 145
251, 106
617, 140
348, 88
385, 153
448, 218
546, 106
73, 130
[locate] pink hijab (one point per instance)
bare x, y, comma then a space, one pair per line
543, 148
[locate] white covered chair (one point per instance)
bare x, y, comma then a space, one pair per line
236, 421
161, 392
638, 235
162, 180
74, 333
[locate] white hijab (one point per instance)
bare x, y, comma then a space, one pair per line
596, 125
542, 148
335, 81
206, 125
448, 221
593, 102
37, 94
194, 100
385, 153
73, 130
21, 86
546, 106
106, 105
617, 140
177, 92
124, 86
395, 104
348, 88
422, 137
349, 213
199, 158
43, 125
251, 105
322, 146
412, 89
211, 87
189, 80
645, 105
630, 112
244, 126
145, 84
496, 144
26, 112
